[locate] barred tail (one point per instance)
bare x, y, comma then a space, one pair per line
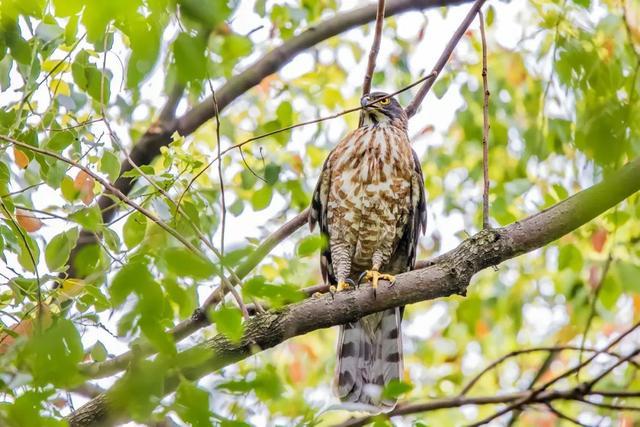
369, 357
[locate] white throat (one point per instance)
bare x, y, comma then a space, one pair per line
376, 118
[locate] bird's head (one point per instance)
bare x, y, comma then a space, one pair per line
378, 109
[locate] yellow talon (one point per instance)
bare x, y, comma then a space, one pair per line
374, 276
342, 286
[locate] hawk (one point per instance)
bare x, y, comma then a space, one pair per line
370, 204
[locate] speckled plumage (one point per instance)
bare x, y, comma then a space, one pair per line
370, 203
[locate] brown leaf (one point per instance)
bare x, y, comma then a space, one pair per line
28, 221
295, 372
84, 184
598, 239
21, 159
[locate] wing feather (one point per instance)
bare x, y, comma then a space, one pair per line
318, 215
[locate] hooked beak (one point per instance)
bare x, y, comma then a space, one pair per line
364, 102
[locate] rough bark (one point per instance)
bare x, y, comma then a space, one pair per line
446, 275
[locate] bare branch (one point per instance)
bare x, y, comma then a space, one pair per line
485, 127
375, 48
413, 106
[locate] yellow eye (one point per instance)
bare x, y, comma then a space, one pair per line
386, 101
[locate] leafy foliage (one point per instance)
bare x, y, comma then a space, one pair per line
82, 81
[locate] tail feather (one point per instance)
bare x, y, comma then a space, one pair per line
369, 357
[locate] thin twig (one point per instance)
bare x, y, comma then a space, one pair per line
564, 416
413, 106
375, 48
539, 373
592, 308
485, 128
223, 207
373, 53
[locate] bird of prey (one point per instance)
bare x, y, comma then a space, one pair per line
370, 204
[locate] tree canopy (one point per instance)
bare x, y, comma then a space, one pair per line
157, 162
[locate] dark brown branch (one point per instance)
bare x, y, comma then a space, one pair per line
451, 274
413, 106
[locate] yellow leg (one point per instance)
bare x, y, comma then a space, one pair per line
375, 275
342, 286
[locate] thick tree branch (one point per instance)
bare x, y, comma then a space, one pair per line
449, 274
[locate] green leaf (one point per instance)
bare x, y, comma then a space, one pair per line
140, 390
276, 295
69, 191
5, 177
310, 245
442, 85
110, 165
271, 173
89, 218
111, 239
228, 321
629, 275
192, 404
570, 257
54, 354
57, 251
285, 113
99, 352
235, 46
610, 291
28, 253
67, 7
60, 140
184, 263
190, 58
208, 13
89, 260
127, 280
260, 199
145, 49
134, 229
395, 389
